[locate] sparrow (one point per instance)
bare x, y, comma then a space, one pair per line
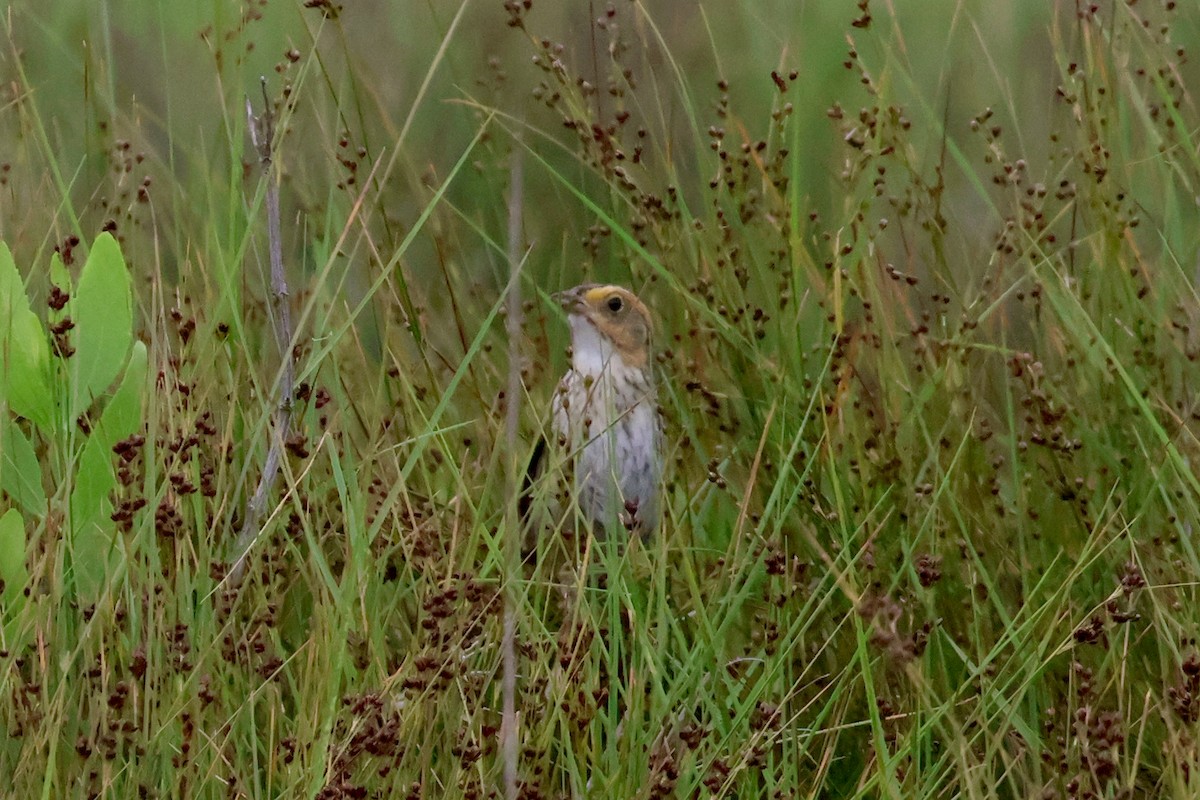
606, 418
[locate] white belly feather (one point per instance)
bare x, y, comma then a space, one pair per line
613, 433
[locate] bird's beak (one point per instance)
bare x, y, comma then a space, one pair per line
569, 299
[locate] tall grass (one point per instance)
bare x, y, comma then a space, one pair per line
925, 286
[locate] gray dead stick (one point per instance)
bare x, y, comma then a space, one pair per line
510, 723
262, 132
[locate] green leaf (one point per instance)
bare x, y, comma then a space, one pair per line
122, 416
92, 542
24, 353
12, 559
102, 310
90, 509
60, 276
91, 552
20, 472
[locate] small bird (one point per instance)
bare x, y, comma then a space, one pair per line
606, 414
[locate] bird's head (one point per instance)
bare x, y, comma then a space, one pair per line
607, 321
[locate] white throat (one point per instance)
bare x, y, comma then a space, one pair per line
591, 353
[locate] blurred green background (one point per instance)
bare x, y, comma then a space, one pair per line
406, 80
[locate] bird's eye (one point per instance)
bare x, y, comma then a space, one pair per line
615, 303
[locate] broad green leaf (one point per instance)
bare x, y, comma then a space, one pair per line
20, 472
91, 552
102, 310
122, 416
91, 509
91, 527
24, 353
60, 276
94, 478
12, 558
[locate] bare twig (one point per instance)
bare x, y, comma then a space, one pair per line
262, 133
510, 724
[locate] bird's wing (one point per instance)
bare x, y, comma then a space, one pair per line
537, 465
